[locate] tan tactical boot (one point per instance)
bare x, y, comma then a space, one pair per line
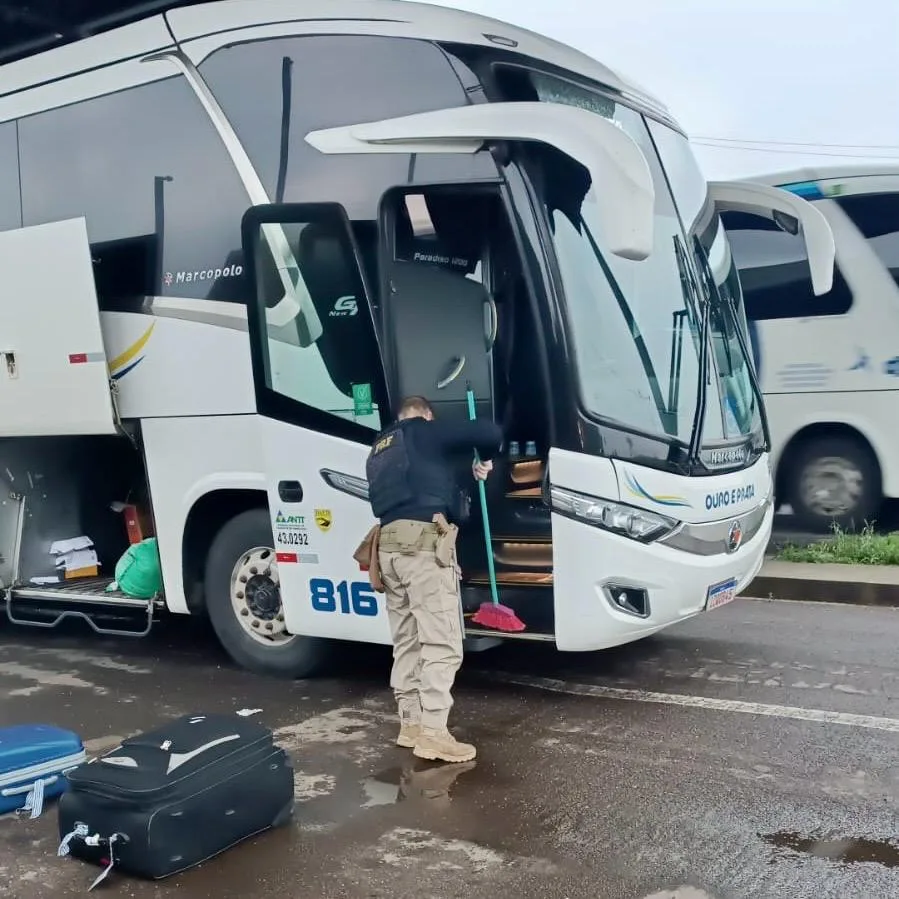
440, 744
409, 734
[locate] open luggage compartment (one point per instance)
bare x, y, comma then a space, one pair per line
57, 488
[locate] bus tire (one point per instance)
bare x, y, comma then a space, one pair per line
848, 468
240, 556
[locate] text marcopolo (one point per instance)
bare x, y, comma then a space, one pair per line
209, 274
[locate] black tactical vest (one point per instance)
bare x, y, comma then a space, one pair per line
399, 475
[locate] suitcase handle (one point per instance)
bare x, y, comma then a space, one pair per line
34, 802
27, 788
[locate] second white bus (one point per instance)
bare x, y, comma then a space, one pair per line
829, 364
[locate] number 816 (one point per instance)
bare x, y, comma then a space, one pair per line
356, 598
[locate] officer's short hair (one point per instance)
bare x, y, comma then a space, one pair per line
414, 405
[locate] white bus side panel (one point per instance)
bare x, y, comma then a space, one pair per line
88, 55
873, 413
187, 458
848, 352
323, 591
53, 375
168, 366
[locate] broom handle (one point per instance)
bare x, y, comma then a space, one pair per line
494, 595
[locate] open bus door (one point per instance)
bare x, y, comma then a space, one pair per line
54, 379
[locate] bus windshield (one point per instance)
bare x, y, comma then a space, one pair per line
740, 406
635, 326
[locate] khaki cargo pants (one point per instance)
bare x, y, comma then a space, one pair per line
421, 585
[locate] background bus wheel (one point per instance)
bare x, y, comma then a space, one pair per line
243, 597
835, 479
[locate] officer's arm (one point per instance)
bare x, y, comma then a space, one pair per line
483, 435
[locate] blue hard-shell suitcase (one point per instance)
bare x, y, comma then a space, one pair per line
33, 759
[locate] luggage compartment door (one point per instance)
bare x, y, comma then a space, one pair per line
54, 378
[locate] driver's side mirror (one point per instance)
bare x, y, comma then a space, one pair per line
788, 223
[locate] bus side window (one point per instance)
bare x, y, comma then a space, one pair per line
147, 170
877, 217
775, 274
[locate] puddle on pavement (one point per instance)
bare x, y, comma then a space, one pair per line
382, 789
431, 783
849, 851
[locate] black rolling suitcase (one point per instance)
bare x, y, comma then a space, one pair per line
168, 799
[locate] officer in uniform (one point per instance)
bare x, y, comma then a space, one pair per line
412, 492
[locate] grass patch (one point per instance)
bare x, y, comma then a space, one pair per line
865, 548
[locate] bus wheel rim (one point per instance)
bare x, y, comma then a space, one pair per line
832, 486
256, 597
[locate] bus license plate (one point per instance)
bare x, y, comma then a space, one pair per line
721, 594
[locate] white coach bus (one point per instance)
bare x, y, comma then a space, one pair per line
235, 234
828, 365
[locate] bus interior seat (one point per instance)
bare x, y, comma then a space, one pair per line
322, 259
436, 317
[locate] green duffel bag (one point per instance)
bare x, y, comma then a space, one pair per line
138, 572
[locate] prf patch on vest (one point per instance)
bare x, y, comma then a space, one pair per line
384, 443
388, 470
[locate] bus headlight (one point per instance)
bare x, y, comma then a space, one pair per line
619, 518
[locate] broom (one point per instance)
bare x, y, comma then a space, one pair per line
491, 614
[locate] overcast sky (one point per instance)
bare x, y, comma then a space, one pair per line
818, 72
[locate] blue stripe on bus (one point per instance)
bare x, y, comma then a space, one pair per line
808, 190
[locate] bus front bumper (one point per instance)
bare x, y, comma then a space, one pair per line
621, 590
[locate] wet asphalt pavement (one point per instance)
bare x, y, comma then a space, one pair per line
748, 754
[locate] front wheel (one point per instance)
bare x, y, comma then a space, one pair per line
835, 480
243, 598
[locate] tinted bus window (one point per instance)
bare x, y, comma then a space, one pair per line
877, 217
150, 174
274, 92
775, 274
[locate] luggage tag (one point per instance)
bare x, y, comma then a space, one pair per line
82, 832
110, 861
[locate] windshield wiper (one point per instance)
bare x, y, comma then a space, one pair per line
727, 300
694, 297
678, 318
